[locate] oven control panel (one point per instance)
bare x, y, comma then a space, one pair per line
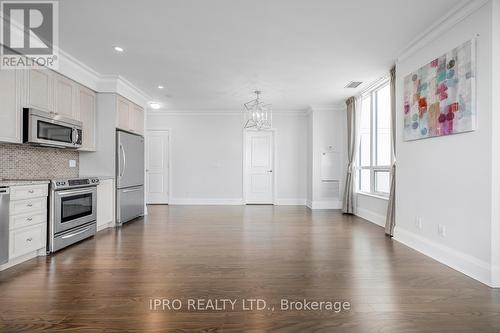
78, 182
58, 184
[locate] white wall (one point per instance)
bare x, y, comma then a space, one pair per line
371, 208
447, 180
207, 156
291, 158
327, 133
102, 161
495, 232
309, 191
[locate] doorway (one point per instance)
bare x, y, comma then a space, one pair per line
157, 166
258, 169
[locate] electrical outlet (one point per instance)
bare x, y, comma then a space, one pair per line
72, 163
442, 230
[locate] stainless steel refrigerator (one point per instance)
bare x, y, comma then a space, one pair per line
129, 176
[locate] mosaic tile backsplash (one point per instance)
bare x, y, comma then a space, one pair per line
28, 162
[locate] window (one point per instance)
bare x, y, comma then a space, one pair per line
375, 156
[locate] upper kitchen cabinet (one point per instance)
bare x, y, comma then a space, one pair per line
11, 82
39, 89
65, 97
129, 116
123, 107
87, 113
48, 91
137, 123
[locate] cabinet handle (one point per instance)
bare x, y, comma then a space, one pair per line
30, 205
29, 239
31, 191
29, 219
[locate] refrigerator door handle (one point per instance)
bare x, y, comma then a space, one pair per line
124, 161
132, 190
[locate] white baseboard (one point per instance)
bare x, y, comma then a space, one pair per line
189, 201
324, 204
26, 257
232, 202
464, 263
370, 216
290, 202
495, 276
106, 226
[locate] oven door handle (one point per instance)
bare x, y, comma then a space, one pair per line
65, 193
76, 233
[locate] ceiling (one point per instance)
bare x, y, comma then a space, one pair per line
211, 54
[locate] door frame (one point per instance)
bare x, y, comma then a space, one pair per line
274, 161
169, 164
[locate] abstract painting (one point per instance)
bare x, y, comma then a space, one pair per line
439, 98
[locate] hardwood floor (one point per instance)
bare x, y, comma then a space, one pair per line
234, 252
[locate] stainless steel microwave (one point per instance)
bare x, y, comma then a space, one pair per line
50, 129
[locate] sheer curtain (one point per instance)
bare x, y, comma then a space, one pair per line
390, 221
348, 204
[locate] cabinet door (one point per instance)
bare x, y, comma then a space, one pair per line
105, 203
138, 121
39, 89
87, 110
10, 105
123, 110
26, 240
65, 97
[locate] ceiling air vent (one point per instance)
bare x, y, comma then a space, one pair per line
353, 84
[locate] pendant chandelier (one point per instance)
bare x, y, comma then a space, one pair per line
257, 114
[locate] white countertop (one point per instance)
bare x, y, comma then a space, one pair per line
100, 177
22, 182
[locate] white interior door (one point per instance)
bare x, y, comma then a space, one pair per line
157, 155
259, 167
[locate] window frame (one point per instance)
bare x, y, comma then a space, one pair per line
373, 168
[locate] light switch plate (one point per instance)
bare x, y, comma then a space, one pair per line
72, 163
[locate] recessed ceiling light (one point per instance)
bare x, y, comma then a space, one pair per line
160, 87
118, 49
154, 105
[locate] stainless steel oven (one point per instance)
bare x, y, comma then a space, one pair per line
73, 211
74, 208
50, 129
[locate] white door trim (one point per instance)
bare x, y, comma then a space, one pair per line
169, 136
275, 169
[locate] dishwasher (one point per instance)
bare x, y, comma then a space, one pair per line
4, 224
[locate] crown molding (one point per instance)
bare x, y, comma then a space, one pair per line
329, 107
118, 84
76, 70
457, 14
166, 112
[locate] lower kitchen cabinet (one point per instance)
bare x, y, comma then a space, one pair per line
105, 204
27, 223
27, 240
